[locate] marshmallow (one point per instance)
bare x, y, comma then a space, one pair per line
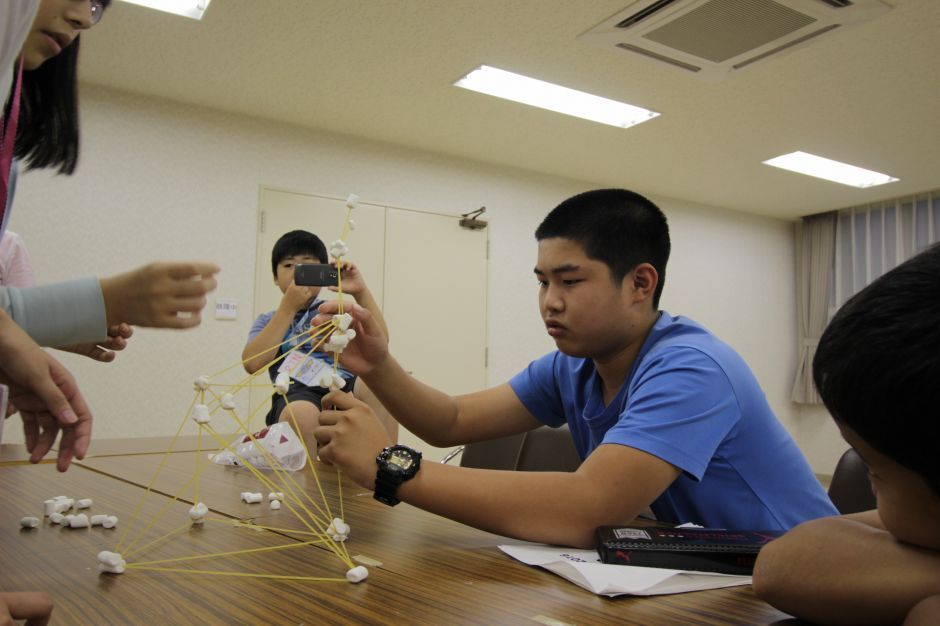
337, 340
78, 521
29, 522
338, 530
48, 507
326, 380
198, 513
352, 200
282, 383
110, 522
343, 321
201, 383
56, 518
338, 383
111, 562
338, 249
276, 495
352, 225
275, 505
98, 520
84, 503
62, 505
251, 498
357, 574
350, 334
200, 414
228, 401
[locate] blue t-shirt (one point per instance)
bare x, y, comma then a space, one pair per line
297, 330
692, 401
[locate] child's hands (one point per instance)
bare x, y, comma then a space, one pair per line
46, 395
352, 280
159, 295
33, 606
105, 351
298, 297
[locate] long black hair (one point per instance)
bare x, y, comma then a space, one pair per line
47, 134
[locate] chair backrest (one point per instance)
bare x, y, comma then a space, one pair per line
500, 454
850, 489
548, 450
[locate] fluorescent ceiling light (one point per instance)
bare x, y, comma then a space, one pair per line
820, 167
538, 93
186, 8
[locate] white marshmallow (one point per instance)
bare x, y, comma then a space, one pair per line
98, 520
111, 522
29, 522
326, 379
338, 340
275, 505
338, 530
201, 383
343, 321
63, 505
338, 249
357, 574
352, 225
84, 503
251, 498
352, 200
228, 401
282, 383
48, 507
198, 513
276, 495
78, 521
111, 562
56, 518
201, 414
350, 334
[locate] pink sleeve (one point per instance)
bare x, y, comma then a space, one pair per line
15, 268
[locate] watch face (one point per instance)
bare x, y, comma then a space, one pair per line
400, 459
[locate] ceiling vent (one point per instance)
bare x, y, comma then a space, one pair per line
714, 38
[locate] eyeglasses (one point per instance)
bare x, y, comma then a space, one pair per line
97, 10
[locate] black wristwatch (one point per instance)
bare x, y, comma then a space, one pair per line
396, 464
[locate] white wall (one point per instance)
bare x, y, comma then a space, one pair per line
160, 180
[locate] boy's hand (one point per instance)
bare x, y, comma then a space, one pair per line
297, 297
46, 396
159, 295
350, 436
33, 606
352, 279
104, 351
370, 347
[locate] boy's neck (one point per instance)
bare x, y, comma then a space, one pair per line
613, 369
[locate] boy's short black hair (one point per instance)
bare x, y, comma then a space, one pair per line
297, 242
877, 366
620, 228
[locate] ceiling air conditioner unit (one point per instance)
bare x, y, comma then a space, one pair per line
713, 38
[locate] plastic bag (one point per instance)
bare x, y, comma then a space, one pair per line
279, 440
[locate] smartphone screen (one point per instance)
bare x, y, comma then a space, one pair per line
315, 275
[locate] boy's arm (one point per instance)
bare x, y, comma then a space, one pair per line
612, 486
261, 350
846, 570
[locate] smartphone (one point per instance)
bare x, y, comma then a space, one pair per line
315, 275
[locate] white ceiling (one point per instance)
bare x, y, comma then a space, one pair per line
383, 70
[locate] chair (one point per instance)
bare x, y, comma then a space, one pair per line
548, 450
499, 454
850, 489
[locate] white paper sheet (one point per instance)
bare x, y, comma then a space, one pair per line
583, 568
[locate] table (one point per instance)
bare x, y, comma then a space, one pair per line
433, 570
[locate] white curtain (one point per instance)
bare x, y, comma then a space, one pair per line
872, 239
815, 254
840, 253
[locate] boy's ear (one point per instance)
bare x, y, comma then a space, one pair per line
644, 278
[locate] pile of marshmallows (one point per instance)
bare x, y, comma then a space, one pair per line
57, 508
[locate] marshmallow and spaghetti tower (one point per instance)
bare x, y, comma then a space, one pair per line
215, 399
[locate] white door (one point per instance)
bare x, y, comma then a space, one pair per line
427, 274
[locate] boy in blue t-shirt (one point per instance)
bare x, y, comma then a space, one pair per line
662, 412
292, 319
